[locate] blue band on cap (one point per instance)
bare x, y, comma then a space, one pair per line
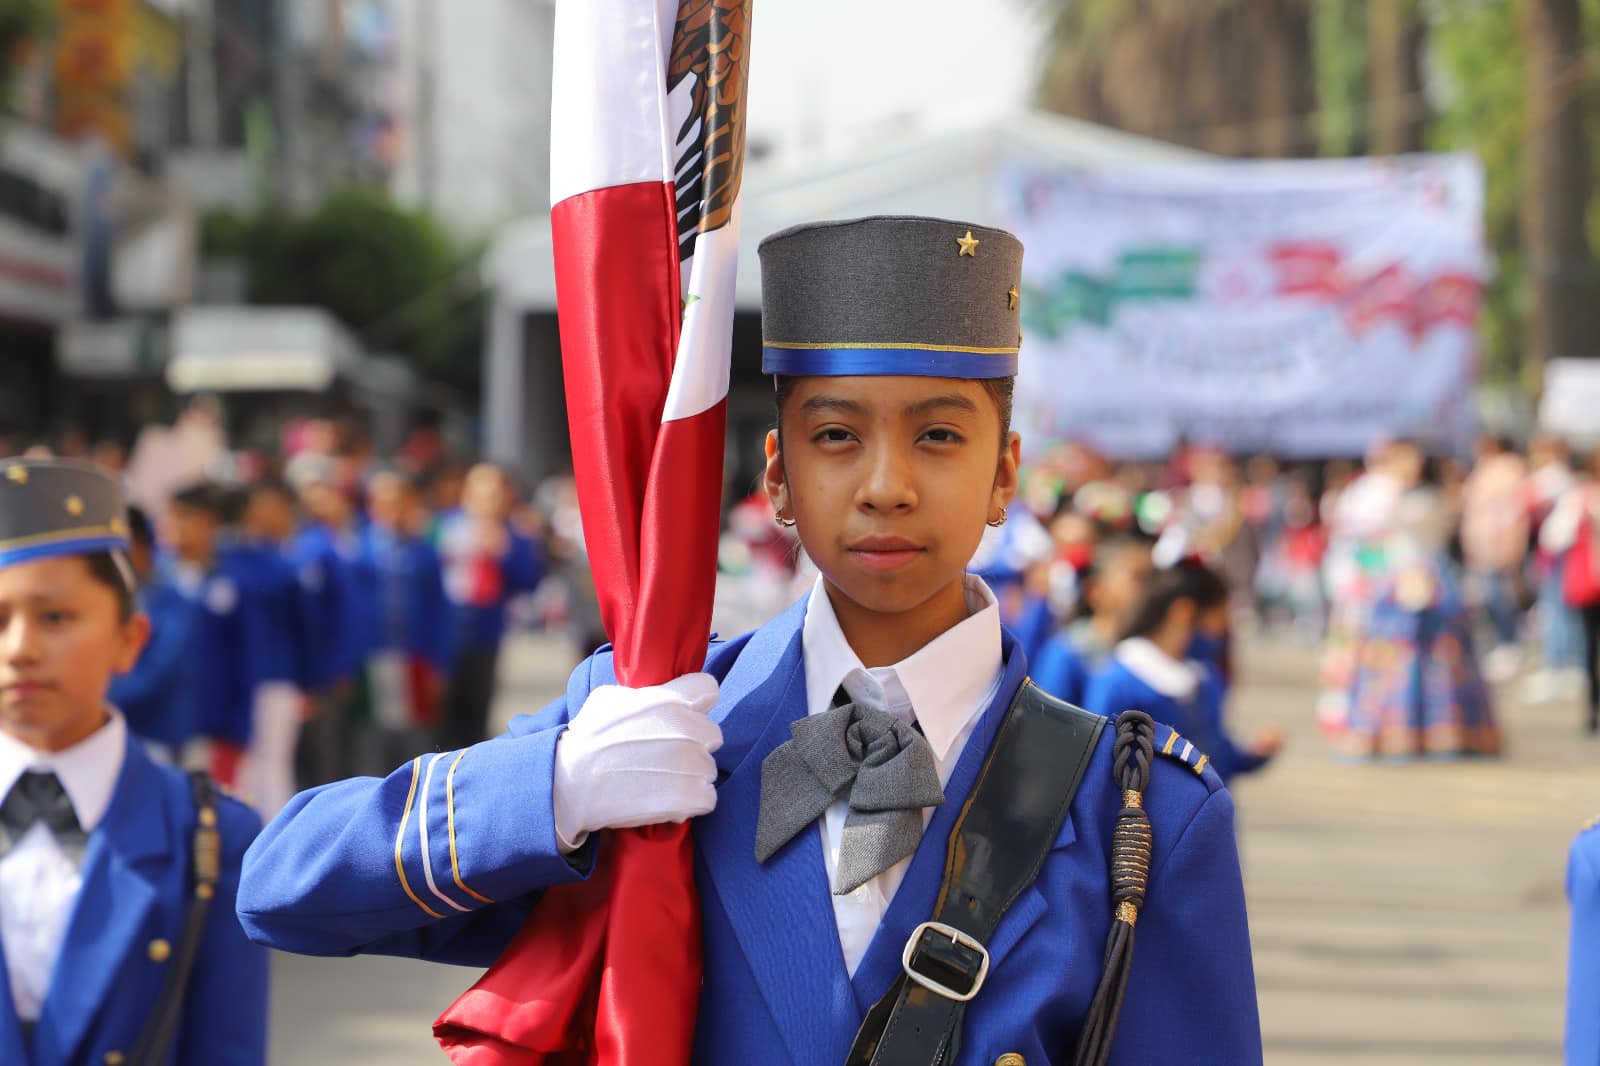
47, 549
915, 362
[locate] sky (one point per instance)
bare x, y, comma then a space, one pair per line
830, 72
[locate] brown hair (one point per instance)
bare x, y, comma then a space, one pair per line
106, 570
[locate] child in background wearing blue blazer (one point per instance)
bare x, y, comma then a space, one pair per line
1152, 668
102, 850
1108, 591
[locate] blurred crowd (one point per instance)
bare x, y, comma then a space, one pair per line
320, 612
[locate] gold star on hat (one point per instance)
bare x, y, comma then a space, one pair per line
1013, 298
74, 506
969, 244
19, 474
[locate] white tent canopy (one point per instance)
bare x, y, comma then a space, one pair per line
949, 174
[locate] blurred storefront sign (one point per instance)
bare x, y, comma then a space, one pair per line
1300, 308
240, 349
94, 66
118, 349
1570, 405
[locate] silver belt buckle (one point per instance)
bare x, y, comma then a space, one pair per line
956, 936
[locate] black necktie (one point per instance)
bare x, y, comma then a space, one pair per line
39, 797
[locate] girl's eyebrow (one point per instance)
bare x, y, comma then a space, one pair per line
834, 403
934, 403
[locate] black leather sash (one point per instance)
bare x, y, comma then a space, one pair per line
156, 1040
997, 847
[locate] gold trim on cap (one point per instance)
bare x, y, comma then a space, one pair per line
59, 536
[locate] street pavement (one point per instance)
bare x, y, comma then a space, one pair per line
1402, 915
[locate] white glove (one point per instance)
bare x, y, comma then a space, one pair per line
637, 756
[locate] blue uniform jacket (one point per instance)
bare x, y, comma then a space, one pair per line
483, 627
157, 695
278, 613
1062, 670
444, 858
1583, 985
136, 890
328, 565
224, 626
1116, 689
408, 608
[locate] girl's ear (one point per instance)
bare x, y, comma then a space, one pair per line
135, 635
773, 478
1005, 474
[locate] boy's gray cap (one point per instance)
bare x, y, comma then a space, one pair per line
891, 294
51, 507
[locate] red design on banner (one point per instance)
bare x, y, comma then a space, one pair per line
1317, 270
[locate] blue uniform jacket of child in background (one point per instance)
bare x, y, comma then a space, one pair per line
1116, 688
157, 695
136, 891
445, 858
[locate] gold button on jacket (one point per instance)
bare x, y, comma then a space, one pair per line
160, 950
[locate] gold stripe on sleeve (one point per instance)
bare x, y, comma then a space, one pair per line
399, 839
450, 819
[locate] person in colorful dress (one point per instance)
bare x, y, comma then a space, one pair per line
1416, 688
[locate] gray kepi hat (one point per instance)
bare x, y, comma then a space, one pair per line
891, 295
54, 507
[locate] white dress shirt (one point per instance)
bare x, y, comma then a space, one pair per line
944, 688
39, 882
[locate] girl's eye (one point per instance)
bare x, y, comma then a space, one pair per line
943, 436
55, 618
832, 435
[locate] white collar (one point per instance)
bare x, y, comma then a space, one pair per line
1168, 676
942, 686
88, 770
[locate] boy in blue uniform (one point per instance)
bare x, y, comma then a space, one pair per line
407, 632
224, 626
278, 647
1583, 959
117, 875
327, 555
156, 696
829, 756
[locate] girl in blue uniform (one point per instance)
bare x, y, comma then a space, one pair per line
893, 341
111, 915
1109, 588
1153, 668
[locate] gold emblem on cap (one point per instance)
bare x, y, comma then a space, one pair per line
119, 527
160, 950
1011, 1058
74, 506
115, 1058
1013, 298
969, 244
19, 474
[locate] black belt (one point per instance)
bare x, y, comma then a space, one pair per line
997, 847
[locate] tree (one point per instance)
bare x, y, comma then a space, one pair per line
390, 273
22, 22
1556, 193
1236, 77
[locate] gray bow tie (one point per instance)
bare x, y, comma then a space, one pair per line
883, 765
39, 797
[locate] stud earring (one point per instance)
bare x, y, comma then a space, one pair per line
786, 523
998, 522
